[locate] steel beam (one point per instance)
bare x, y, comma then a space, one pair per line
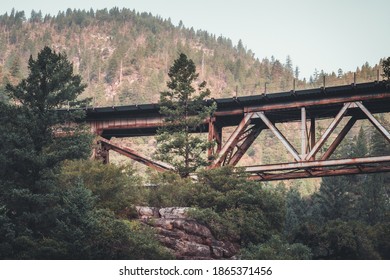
214, 137
305, 103
328, 131
316, 164
319, 173
312, 133
135, 155
374, 121
303, 133
339, 138
244, 146
279, 135
232, 141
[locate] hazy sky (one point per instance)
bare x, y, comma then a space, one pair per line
322, 34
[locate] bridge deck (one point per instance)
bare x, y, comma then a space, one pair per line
144, 119
252, 114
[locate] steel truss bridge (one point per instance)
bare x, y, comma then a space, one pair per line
250, 115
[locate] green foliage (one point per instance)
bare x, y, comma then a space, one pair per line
276, 249
116, 188
7, 234
219, 224
50, 83
375, 200
185, 110
386, 68
380, 236
334, 197
296, 211
83, 231
347, 240
170, 190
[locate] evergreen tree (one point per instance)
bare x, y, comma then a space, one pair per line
289, 65
334, 198
386, 68
31, 151
375, 199
296, 209
185, 110
296, 72
361, 146
340, 73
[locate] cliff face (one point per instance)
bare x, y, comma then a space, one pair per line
185, 237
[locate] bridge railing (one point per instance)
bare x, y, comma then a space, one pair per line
321, 80
267, 86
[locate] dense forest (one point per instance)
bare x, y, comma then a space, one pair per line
55, 203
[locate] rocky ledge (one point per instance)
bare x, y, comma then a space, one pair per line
185, 237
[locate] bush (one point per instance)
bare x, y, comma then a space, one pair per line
116, 188
170, 190
276, 249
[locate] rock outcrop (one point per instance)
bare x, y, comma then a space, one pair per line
185, 237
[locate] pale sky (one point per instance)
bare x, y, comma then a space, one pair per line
322, 34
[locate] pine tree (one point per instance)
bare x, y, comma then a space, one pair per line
296, 73
295, 212
185, 110
31, 152
386, 68
375, 200
361, 146
340, 73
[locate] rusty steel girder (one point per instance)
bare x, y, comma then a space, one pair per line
109, 145
318, 163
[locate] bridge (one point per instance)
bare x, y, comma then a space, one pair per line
250, 115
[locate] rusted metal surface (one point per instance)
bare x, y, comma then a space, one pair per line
232, 141
328, 131
279, 135
320, 173
214, 137
159, 166
246, 143
99, 127
303, 133
319, 168
315, 164
315, 102
374, 121
339, 138
102, 153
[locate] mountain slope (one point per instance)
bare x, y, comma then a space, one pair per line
124, 56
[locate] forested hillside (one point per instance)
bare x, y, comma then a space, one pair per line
124, 56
